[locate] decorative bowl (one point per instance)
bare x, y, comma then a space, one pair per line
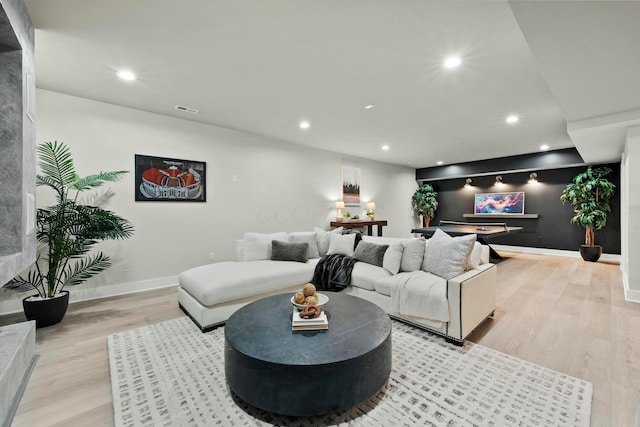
322, 300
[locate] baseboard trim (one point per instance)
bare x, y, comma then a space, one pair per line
630, 295
554, 252
79, 293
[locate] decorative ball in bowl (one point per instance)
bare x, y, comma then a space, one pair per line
322, 300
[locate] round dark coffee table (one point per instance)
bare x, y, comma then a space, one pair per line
304, 373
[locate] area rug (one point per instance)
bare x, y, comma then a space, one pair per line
171, 374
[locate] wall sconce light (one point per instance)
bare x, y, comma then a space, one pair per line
498, 180
371, 210
533, 178
467, 183
339, 206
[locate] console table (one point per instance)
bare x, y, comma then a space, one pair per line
359, 223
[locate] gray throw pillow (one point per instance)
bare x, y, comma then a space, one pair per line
284, 251
448, 256
412, 254
370, 253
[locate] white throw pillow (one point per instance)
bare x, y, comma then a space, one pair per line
474, 257
341, 244
448, 256
323, 238
393, 258
257, 246
306, 237
412, 254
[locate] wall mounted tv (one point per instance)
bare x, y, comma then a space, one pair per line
499, 203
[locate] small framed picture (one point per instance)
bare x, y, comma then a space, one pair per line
351, 186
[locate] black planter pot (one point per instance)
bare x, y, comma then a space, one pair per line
46, 312
590, 253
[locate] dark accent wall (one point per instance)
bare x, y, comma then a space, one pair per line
552, 229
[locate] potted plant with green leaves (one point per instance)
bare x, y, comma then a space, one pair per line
66, 233
425, 203
589, 194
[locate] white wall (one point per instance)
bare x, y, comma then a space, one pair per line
630, 177
280, 186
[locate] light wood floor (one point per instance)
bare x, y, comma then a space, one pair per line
562, 313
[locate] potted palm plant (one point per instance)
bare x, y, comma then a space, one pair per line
425, 203
589, 194
66, 232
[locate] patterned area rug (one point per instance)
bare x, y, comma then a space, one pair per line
171, 374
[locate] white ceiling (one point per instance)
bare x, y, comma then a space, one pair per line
263, 65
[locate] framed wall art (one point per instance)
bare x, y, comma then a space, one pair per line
350, 185
499, 203
161, 179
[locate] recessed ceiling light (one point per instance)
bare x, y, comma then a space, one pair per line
452, 62
385, 147
126, 75
544, 147
512, 119
304, 124
439, 162
369, 107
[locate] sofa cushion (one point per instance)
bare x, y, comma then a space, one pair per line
393, 258
365, 275
447, 256
412, 254
383, 285
257, 246
286, 251
306, 237
228, 281
386, 286
341, 244
370, 253
323, 238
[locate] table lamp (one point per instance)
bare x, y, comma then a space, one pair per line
339, 206
371, 210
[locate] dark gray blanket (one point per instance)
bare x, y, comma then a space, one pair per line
333, 272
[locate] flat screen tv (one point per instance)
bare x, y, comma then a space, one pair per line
499, 203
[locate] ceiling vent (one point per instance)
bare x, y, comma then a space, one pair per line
186, 109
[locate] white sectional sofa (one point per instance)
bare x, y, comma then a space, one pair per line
452, 307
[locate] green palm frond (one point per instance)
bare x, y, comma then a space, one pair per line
56, 163
96, 223
84, 269
43, 180
32, 281
93, 181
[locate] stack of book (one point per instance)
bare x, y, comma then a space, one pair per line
299, 324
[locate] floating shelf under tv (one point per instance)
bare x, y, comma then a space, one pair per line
500, 215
